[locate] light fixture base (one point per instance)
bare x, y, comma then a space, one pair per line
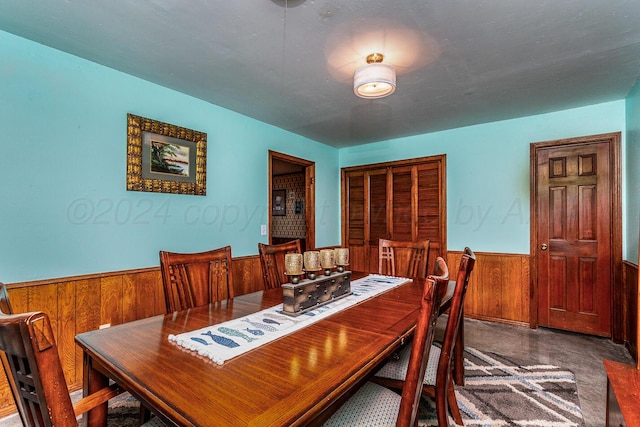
375, 79
375, 58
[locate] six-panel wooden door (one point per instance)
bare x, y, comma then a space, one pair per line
574, 253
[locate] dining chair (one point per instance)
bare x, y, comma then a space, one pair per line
195, 279
5, 308
27, 349
402, 258
374, 404
272, 261
438, 384
31, 359
5, 304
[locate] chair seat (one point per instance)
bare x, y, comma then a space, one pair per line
372, 405
397, 369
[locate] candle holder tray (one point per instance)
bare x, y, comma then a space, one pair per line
310, 294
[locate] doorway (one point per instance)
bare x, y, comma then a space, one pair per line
291, 200
576, 235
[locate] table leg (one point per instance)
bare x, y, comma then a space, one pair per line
93, 380
458, 354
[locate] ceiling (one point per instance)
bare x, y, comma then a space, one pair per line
290, 63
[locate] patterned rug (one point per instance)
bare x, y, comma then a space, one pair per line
498, 391
503, 392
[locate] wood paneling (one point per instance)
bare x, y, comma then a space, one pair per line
630, 307
498, 289
80, 304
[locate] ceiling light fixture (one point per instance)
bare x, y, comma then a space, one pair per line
374, 80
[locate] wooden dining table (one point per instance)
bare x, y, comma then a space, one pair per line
298, 379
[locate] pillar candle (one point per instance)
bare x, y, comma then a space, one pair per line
342, 256
312, 261
327, 258
293, 263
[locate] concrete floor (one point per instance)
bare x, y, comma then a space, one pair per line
581, 353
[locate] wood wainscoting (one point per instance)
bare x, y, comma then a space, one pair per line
499, 291
498, 288
629, 315
84, 303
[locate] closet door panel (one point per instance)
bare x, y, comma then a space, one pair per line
402, 214
378, 214
431, 213
354, 220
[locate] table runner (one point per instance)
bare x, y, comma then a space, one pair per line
229, 339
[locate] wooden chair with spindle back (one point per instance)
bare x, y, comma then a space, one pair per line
195, 279
403, 259
391, 408
272, 261
438, 383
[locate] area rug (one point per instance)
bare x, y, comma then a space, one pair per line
499, 391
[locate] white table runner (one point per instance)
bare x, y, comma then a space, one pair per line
226, 340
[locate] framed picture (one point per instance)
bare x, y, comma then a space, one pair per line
279, 202
165, 158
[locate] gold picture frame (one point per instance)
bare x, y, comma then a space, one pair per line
165, 158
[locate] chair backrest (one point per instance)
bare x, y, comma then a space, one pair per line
272, 261
196, 279
434, 289
5, 308
31, 359
5, 305
465, 268
404, 259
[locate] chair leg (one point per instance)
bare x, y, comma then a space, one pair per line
458, 354
441, 407
453, 404
145, 414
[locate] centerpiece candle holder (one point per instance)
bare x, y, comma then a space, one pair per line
293, 267
342, 258
327, 260
312, 264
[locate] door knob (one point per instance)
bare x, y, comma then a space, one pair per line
543, 246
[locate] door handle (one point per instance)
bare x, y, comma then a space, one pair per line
543, 246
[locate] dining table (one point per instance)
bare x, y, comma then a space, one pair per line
298, 379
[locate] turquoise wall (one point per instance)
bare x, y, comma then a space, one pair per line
632, 175
65, 210
488, 170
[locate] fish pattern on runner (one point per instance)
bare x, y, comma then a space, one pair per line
227, 342
267, 328
235, 333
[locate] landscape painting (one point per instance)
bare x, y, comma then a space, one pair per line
169, 158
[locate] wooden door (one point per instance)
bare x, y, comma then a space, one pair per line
574, 250
354, 220
431, 211
401, 200
377, 192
